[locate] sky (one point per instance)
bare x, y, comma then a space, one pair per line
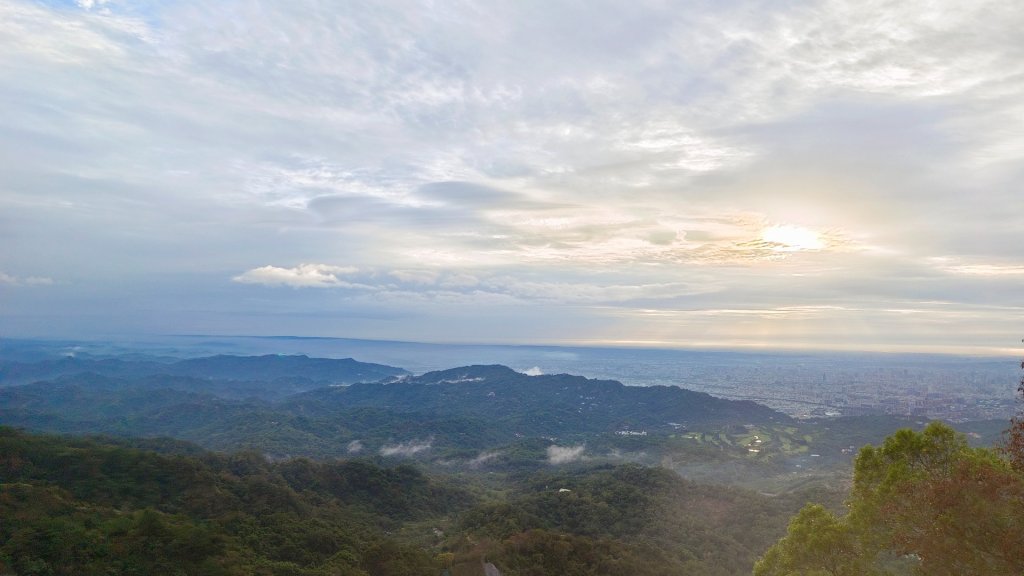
785, 174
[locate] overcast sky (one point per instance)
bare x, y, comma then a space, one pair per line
794, 174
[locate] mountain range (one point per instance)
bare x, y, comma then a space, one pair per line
281, 409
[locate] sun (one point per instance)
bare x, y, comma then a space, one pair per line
792, 238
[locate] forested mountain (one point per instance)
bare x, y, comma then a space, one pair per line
288, 374
539, 405
451, 471
470, 408
90, 507
474, 416
94, 506
626, 520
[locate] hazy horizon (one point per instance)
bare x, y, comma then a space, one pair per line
821, 176
334, 347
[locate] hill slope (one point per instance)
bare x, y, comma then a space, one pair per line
471, 408
311, 372
539, 405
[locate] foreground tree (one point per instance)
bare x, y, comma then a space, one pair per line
816, 543
922, 503
1013, 447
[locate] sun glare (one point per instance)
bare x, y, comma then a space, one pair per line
792, 238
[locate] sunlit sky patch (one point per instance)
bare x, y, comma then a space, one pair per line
820, 174
792, 238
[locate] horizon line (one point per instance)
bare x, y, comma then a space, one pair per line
742, 347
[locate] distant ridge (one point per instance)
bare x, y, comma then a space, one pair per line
264, 368
471, 407
545, 404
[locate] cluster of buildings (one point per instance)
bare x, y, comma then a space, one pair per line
955, 394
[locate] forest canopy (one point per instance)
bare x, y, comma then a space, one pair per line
922, 503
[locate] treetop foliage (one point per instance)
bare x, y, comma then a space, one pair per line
922, 503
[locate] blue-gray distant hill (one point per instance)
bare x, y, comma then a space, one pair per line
470, 408
288, 374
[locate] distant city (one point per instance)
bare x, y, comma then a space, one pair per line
952, 391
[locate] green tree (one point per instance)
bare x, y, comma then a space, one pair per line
924, 502
1013, 446
816, 543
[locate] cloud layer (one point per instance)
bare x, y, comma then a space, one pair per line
410, 448
564, 454
301, 276
814, 174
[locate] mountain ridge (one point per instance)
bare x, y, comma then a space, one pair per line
510, 397
263, 368
463, 408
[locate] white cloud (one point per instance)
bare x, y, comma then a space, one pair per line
535, 371
483, 458
301, 276
958, 266
510, 159
24, 281
584, 293
426, 277
354, 447
90, 4
459, 280
564, 454
409, 448
443, 286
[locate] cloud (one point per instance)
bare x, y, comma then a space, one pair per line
483, 458
957, 266
354, 447
9, 280
301, 276
552, 169
409, 448
535, 371
459, 280
444, 285
584, 292
468, 194
426, 277
90, 4
564, 454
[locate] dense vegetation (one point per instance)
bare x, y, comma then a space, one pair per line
90, 507
286, 373
625, 520
99, 506
532, 474
543, 405
467, 409
922, 503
